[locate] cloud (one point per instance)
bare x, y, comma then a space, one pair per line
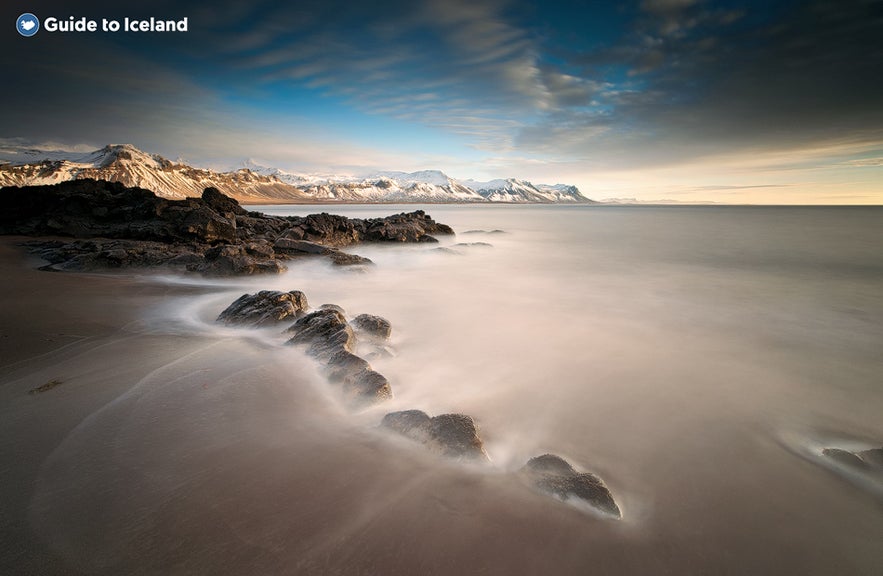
772, 80
666, 6
864, 162
670, 82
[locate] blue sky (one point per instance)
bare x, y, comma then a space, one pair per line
683, 99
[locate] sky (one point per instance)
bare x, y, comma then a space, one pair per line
686, 100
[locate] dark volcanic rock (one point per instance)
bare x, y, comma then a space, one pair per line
844, 457
103, 253
485, 232
873, 457
339, 258
221, 203
264, 308
360, 383
95, 208
325, 332
554, 475
456, 435
343, 365
447, 251
299, 247
866, 460
326, 335
328, 229
413, 424
332, 230
368, 386
550, 464
244, 242
473, 245
452, 435
236, 260
373, 326
292, 247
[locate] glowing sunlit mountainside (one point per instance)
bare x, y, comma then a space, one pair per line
254, 183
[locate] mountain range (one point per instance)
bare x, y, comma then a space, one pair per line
252, 183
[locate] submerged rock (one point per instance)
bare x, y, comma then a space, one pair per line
413, 424
360, 383
873, 457
456, 435
330, 339
264, 308
339, 258
556, 476
446, 250
325, 332
452, 435
865, 460
367, 387
485, 232
845, 457
374, 326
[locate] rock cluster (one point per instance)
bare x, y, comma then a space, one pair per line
212, 235
326, 335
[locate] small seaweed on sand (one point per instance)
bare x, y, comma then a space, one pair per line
45, 387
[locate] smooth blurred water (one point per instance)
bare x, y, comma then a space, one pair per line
685, 354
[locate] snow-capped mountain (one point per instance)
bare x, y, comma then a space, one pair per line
251, 182
125, 163
513, 190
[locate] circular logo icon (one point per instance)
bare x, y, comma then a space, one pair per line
27, 24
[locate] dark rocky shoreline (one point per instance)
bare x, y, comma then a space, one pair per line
332, 340
113, 226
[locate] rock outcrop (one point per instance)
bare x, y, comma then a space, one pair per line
373, 326
874, 457
265, 308
330, 339
555, 476
452, 435
862, 461
211, 235
324, 332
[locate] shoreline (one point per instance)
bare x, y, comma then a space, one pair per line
167, 451
79, 331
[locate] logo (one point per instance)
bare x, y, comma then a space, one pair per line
27, 24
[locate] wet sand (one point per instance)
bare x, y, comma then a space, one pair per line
165, 451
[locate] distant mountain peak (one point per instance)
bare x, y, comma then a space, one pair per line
252, 181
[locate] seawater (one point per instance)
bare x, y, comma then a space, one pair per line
690, 356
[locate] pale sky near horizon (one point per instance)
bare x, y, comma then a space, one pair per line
688, 100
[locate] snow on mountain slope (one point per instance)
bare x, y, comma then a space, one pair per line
125, 163
252, 182
513, 190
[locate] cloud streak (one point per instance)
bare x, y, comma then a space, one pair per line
654, 83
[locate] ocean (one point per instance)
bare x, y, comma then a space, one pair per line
697, 358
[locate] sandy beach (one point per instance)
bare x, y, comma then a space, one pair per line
170, 445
